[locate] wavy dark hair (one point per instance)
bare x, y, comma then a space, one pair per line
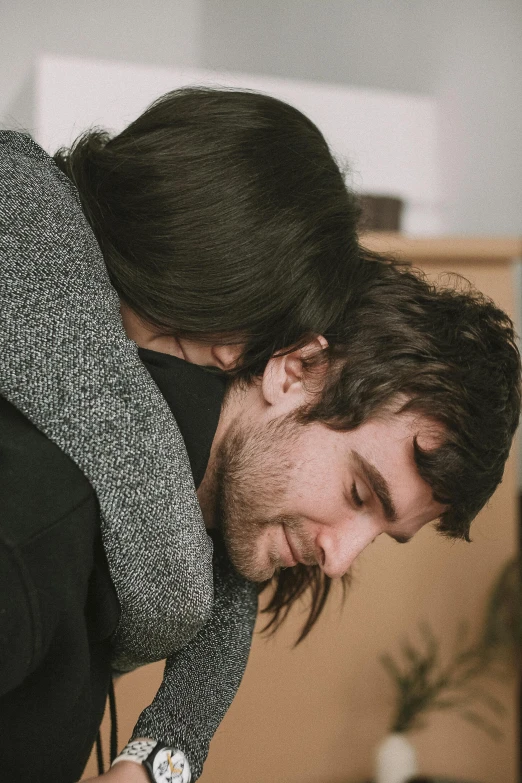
448, 353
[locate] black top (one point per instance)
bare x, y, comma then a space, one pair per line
58, 607
194, 395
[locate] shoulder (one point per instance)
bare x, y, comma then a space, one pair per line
24, 163
38, 203
20, 145
22, 158
39, 484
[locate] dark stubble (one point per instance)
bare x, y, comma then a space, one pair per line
251, 471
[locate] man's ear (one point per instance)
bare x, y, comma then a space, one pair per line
283, 383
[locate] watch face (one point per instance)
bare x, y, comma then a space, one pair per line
170, 766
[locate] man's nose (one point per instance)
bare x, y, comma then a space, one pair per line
340, 551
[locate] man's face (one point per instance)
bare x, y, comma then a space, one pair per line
288, 493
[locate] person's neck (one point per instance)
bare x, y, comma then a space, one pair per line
207, 489
233, 403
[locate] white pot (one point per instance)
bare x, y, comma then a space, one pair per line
395, 759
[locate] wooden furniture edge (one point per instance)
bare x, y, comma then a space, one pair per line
444, 248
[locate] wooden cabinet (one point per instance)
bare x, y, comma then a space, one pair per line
491, 264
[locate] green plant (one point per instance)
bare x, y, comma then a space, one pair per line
424, 684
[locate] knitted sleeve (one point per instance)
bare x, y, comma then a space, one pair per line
201, 680
69, 367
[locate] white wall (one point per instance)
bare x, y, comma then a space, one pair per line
387, 44
467, 54
162, 32
478, 81
387, 138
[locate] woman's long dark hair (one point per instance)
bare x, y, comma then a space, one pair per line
222, 216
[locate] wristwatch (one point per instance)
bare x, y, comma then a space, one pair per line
163, 764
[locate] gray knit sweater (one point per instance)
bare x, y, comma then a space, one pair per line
69, 367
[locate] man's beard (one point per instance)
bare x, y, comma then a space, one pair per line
251, 471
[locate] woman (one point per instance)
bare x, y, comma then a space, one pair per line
216, 218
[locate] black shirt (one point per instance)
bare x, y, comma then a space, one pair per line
58, 608
195, 396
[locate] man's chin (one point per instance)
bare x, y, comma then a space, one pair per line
254, 572
246, 558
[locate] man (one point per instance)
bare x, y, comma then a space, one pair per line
403, 417
225, 252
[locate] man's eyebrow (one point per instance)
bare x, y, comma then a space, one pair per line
378, 484
380, 487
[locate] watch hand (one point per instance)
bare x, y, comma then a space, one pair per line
173, 769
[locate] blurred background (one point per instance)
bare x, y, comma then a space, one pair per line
421, 102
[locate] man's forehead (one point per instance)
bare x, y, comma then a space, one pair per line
417, 426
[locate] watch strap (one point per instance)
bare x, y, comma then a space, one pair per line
137, 751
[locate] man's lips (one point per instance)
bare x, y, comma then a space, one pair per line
296, 555
305, 557
289, 558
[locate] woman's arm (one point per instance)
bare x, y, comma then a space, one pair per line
201, 680
68, 366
